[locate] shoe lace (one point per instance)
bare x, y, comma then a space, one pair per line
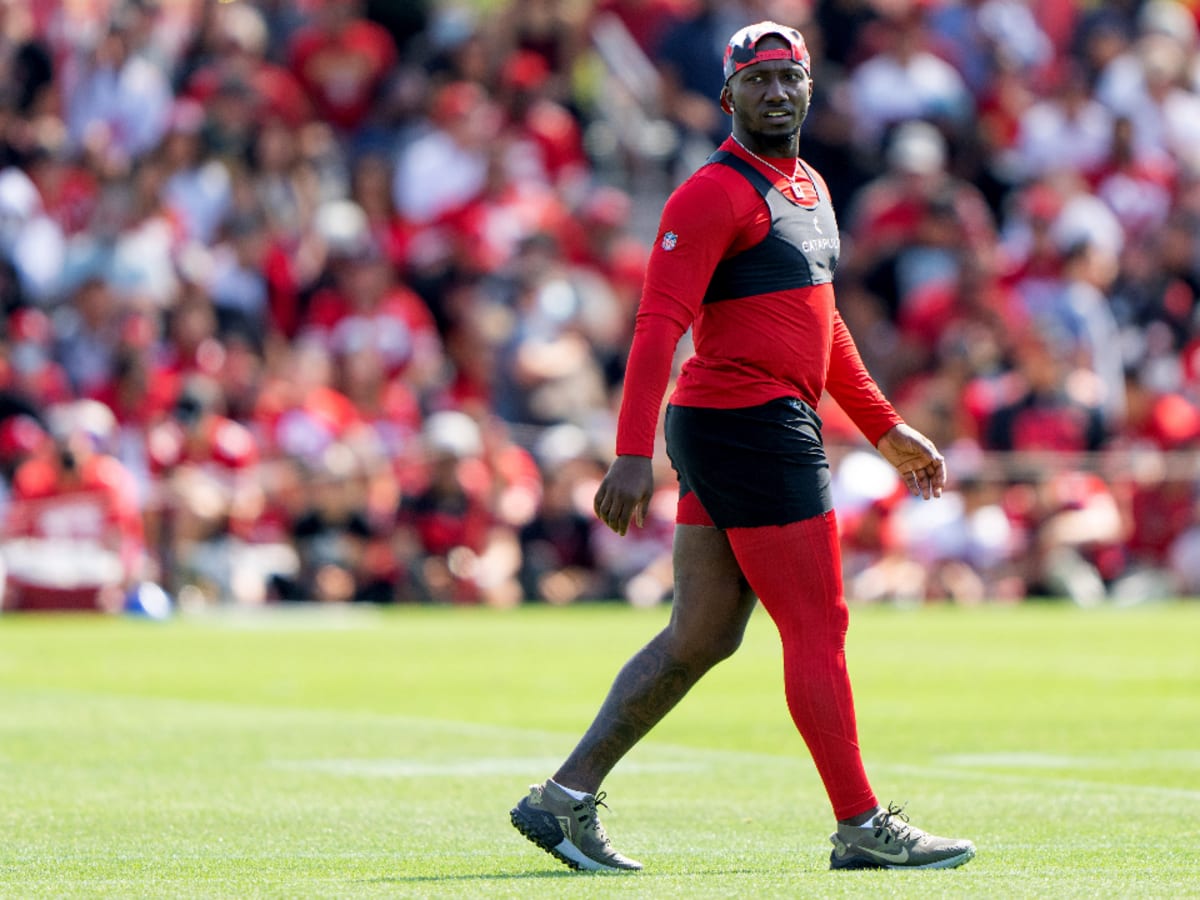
894, 821
592, 817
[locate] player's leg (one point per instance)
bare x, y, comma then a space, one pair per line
711, 606
709, 612
796, 571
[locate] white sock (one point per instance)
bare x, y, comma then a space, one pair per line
571, 792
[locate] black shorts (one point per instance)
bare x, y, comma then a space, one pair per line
751, 466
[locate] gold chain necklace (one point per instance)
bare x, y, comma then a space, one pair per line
794, 179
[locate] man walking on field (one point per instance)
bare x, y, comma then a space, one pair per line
745, 256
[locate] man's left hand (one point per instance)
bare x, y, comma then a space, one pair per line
921, 466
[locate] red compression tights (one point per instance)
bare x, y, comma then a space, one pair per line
796, 570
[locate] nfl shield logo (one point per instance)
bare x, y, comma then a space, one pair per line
670, 239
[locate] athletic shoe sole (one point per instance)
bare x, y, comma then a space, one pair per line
542, 828
859, 863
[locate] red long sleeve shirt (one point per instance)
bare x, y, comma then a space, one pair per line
749, 350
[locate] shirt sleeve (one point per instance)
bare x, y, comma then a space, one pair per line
697, 228
851, 385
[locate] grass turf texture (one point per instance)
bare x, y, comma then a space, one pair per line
358, 753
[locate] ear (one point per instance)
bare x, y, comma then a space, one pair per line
727, 100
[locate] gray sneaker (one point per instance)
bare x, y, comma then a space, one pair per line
889, 842
568, 829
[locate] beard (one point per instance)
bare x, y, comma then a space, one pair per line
786, 141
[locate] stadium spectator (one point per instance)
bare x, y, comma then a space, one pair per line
544, 135
209, 497
28, 367
118, 99
980, 38
370, 189
87, 333
1069, 129
73, 531
639, 564
233, 48
198, 187
1162, 429
140, 393
343, 60
911, 224
558, 561
445, 167
448, 539
1072, 526
553, 30
31, 241
687, 56
547, 372
365, 307
1049, 404
342, 554
904, 80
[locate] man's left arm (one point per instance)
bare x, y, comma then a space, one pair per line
920, 464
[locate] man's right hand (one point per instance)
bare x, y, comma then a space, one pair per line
625, 493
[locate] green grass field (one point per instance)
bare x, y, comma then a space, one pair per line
361, 753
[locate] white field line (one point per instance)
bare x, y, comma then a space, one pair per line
653, 756
676, 757
484, 767
467, 767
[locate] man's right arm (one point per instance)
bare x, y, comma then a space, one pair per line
697, 226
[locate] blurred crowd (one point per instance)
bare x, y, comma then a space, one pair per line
330, 299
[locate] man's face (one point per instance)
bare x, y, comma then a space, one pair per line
770, 99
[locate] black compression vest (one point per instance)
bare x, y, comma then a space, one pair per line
800, 250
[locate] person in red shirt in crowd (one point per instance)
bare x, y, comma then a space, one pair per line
27, 366
208, 490
559, 562
1043, 406
540, 121
1070, 520
70, 191
555, 31
343, 60
142, 389
387, 404
955, 335
445, 167
452, 545
344, 555
488, 232
365, 305
1161, 430
22, 436
236, 40
599, 239
745, 257
300, 411
1069, 526
371, 189
911, 223
73, 535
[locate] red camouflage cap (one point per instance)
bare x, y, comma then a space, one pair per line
741, 50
